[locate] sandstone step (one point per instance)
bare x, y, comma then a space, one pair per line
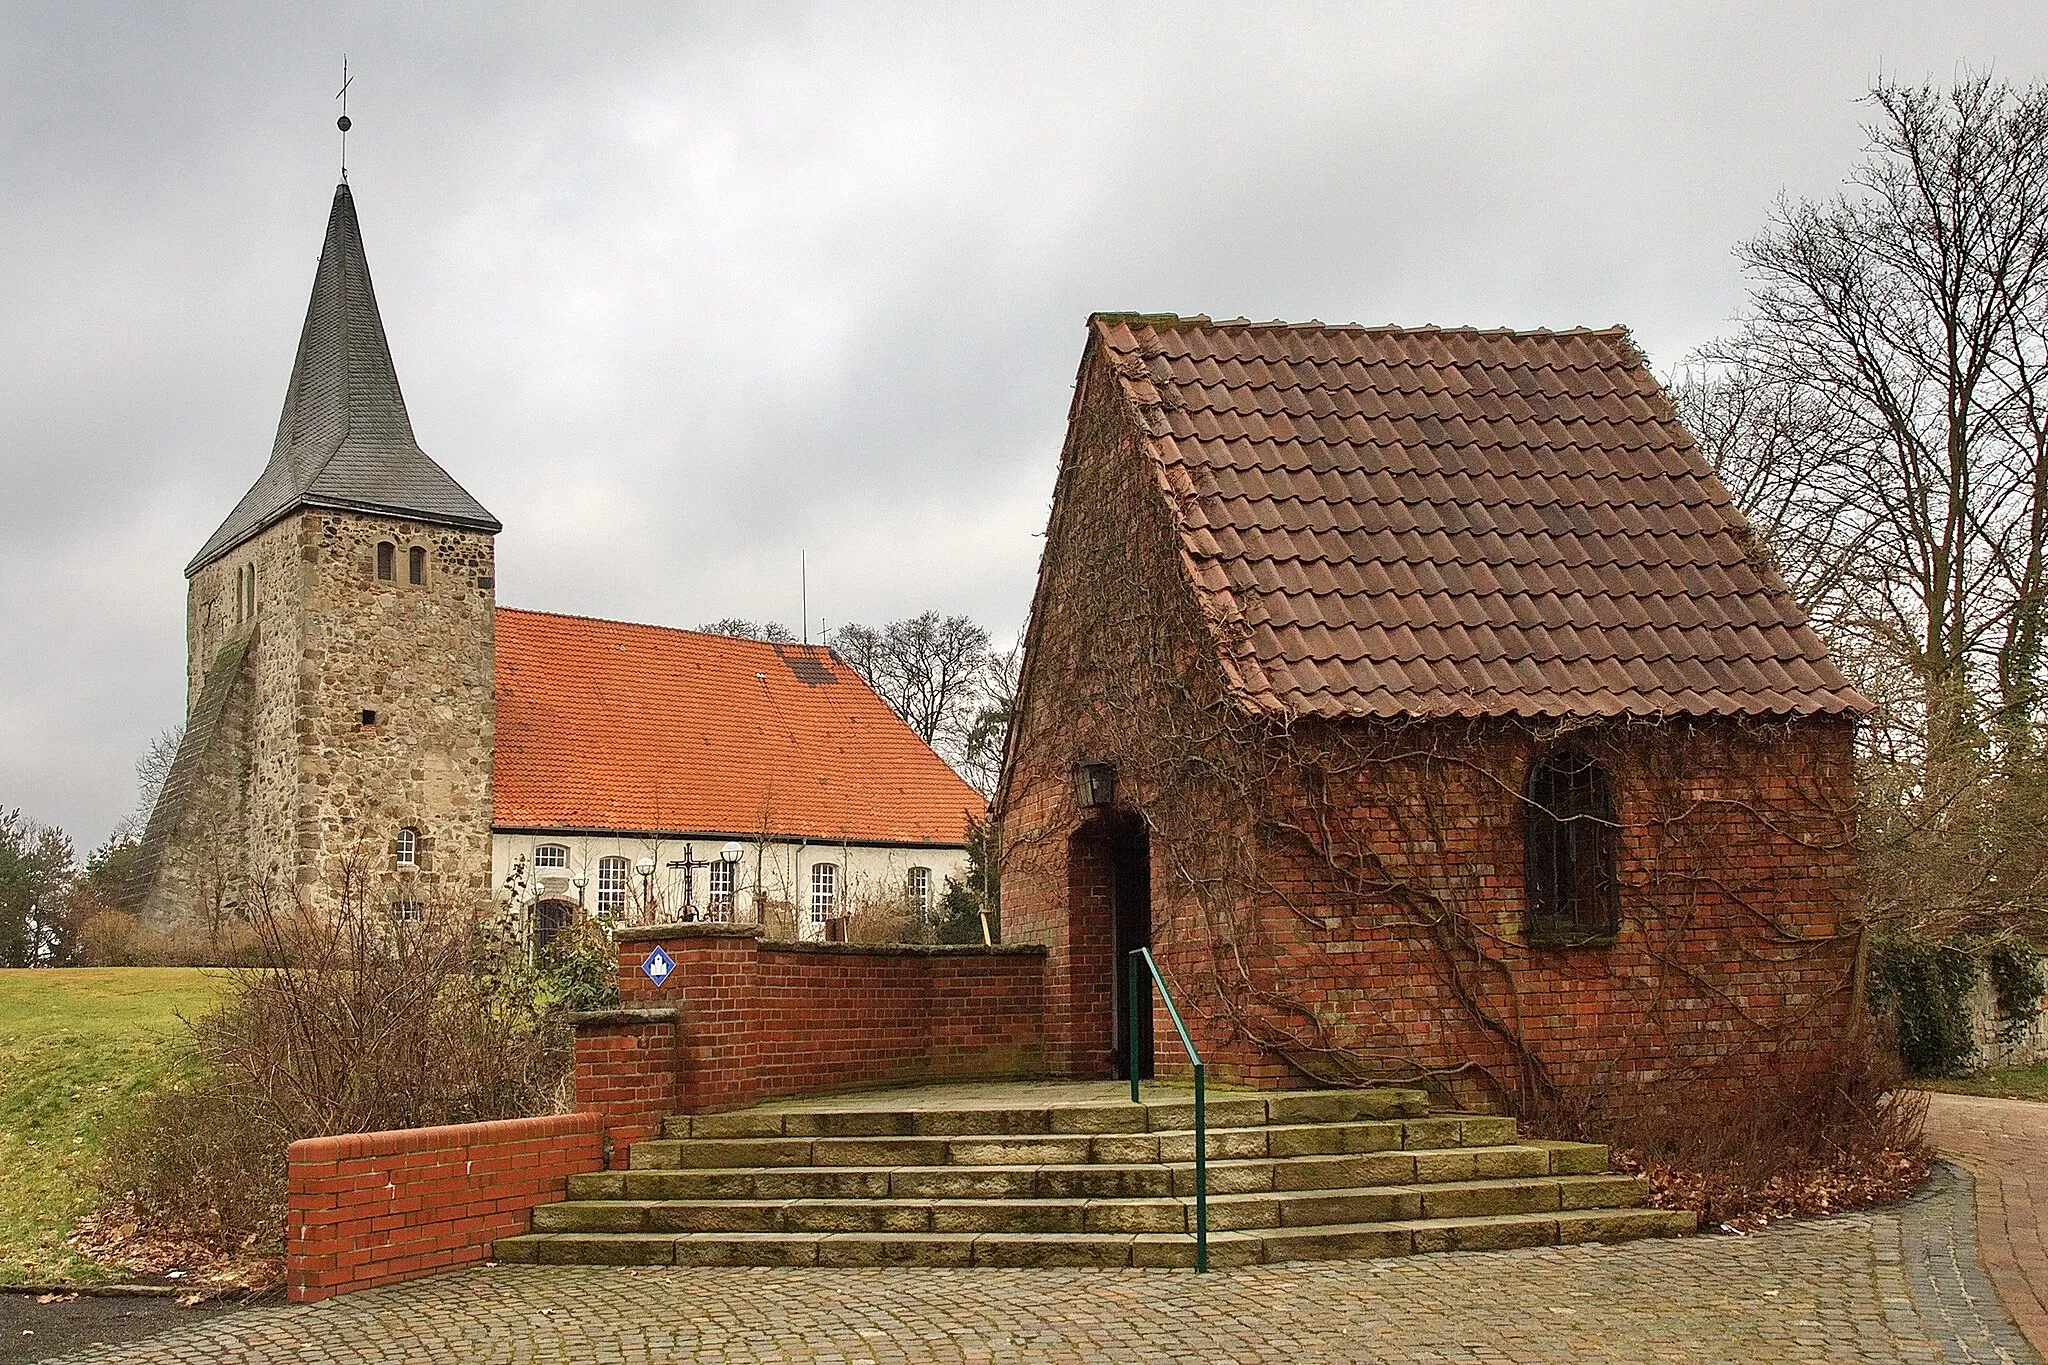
1231, 1212
1096, 1180
1098, 1117
1331, 1242
1039, 1148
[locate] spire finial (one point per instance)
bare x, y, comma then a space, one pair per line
342, 122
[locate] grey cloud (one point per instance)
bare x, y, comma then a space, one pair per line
678, 292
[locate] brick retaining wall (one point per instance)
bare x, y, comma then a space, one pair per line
756, 1019
370, 1208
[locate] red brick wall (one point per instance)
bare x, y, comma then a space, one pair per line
627, 1069
371, 1208
1379, 929
760, 1019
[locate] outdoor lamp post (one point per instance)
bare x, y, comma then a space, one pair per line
579, 881
645, 867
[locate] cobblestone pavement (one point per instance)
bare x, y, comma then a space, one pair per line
1895, 1286
2004, 1145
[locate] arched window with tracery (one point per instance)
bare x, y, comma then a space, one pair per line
1573, 878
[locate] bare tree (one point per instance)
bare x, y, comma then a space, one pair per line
1907, 320
739, 628
931, 670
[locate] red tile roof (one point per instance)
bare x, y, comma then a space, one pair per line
1392, 521
608, 726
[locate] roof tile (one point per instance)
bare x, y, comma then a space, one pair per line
1436, 522
609, 726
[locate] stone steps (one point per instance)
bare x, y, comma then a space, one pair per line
1357, 1241
1302, 1175
1229, 1212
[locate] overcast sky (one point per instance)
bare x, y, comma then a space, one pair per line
678, 291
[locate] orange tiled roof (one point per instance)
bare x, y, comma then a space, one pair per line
1393, 521
603, 726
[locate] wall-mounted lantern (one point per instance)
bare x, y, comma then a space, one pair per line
1094, 785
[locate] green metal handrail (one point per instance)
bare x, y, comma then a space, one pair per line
1141, 962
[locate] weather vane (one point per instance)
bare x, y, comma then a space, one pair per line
342, 122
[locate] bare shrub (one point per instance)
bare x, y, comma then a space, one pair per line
1835, 1130
350, 1024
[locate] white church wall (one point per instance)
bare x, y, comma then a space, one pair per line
772, 881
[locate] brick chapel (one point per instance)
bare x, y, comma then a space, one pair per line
1425, 703
365, 725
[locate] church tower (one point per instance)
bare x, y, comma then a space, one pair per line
340, 710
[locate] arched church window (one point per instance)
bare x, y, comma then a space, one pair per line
384, 561
416, 566
824, 891
611, 886
249, 592
406, 847
1573, 880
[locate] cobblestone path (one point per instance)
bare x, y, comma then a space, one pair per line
2004, 1145
1895, 1286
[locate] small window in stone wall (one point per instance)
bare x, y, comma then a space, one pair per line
406, 848
416, 566
551, 857
385, 551
1573, 880
406, 912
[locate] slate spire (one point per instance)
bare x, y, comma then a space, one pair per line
344, 439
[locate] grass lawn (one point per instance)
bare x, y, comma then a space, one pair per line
77, 1046
2013, 1083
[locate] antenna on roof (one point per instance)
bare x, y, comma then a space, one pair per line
343, 122
803, 594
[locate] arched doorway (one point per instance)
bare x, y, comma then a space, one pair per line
551, 918
1109, 908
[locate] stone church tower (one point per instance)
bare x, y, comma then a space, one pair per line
340, 708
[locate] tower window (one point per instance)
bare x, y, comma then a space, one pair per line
407, 847
551, 856
369, 717
824, 891
1573, 880
416, 566
384, 561
611, 886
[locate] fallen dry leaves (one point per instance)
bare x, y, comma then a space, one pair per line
1740, 1202
113, 1237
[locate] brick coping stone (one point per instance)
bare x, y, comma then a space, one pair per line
655, 933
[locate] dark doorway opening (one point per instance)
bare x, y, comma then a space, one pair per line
1130, 891
551, 919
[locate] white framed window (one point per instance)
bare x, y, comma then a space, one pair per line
718, 895
611, 885
551, 857
917, 889
824, 891
405, 912
406, 847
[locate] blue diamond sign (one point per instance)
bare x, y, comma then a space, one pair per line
658, 965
